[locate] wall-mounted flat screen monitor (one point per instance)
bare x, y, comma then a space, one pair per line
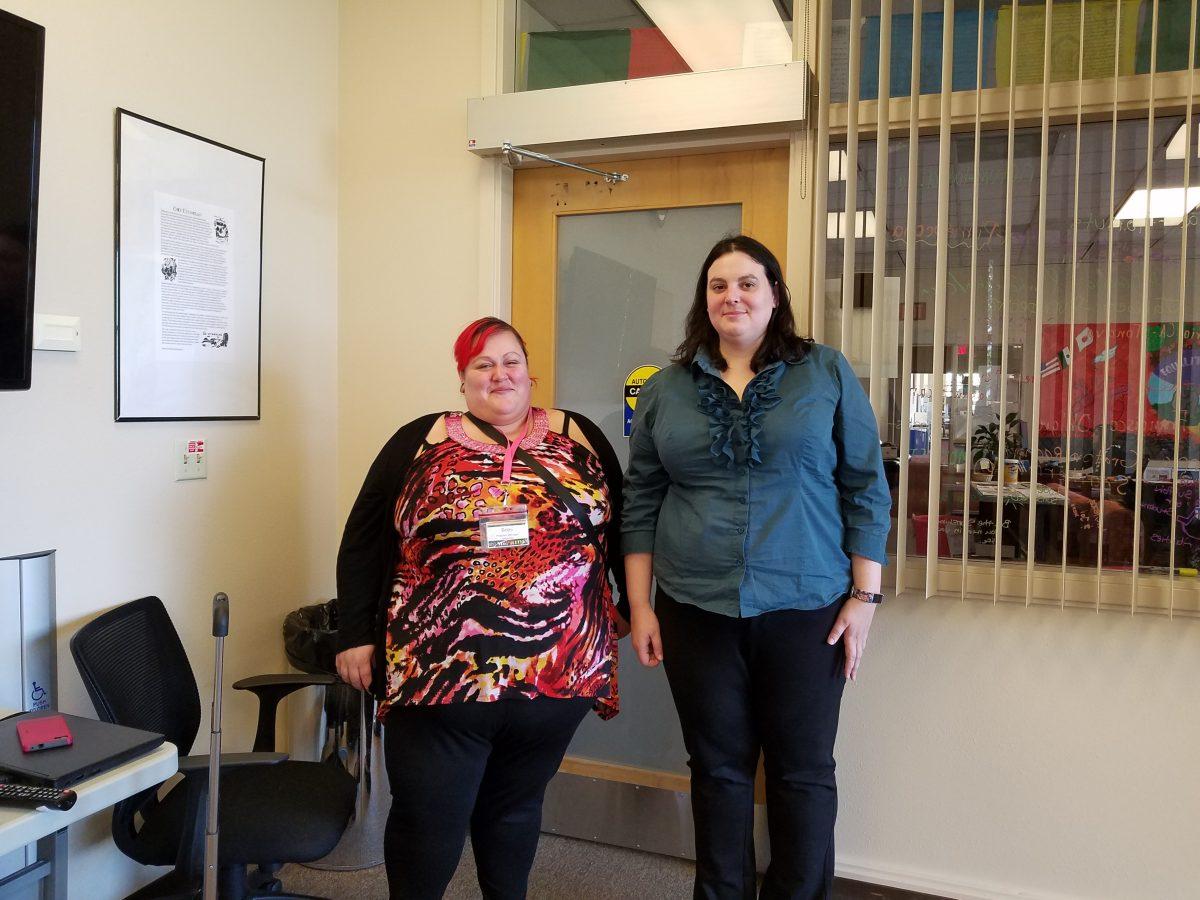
22, 50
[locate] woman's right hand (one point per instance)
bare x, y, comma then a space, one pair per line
354, 666
644, 635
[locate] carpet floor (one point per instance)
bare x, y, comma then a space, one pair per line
565, 869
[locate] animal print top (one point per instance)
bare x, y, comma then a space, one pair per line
466, 624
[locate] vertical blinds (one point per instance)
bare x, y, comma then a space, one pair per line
1008, 198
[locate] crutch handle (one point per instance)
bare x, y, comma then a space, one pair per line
220, 615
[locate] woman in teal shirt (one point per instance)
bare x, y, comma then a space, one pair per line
756, 497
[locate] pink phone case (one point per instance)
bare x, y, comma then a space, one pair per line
43, 733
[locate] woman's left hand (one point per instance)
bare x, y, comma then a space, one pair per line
852, 625
623, 627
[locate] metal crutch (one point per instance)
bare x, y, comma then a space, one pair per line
212, 827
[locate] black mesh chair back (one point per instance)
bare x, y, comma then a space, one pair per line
137, 673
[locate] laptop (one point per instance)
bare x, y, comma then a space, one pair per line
97, 747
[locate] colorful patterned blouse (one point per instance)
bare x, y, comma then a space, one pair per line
467, 624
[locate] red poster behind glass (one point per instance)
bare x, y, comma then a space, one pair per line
1074, 359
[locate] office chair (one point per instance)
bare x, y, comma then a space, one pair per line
273, 810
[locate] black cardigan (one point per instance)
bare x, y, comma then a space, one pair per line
367, 556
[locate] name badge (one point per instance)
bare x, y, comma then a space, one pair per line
504, 527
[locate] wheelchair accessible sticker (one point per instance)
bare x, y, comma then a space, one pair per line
633, 387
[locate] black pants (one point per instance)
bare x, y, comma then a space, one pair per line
483, 766
768, 683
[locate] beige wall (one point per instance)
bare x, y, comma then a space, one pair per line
261, 77
1004, 751
408, 217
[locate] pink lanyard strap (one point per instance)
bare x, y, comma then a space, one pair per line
510, 453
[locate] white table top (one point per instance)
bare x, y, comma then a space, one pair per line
1017, 492
20, 825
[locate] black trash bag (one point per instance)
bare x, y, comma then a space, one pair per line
310, 638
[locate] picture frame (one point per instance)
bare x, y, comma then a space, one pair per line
188, 236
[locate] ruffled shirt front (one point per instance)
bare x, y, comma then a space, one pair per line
734, 423
755, 504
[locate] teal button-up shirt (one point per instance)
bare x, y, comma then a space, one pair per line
756, 504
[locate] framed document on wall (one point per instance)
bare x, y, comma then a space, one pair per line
189, 221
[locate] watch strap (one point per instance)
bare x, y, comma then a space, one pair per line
865, 596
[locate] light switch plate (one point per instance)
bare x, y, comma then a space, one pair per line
190, 459
55, 332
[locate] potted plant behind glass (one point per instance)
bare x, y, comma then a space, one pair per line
985, 445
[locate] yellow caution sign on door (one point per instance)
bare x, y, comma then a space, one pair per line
633, 387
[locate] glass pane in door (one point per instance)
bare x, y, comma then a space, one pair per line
625, 282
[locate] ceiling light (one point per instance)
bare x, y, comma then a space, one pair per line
722, 34
837, 165
864, 225
1175, 146
1169, 204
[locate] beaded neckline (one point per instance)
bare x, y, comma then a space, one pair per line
537, 433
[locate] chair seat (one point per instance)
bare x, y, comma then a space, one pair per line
294, 811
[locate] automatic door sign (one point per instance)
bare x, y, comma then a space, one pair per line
633, 387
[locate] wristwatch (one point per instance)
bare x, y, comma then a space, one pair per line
865, 596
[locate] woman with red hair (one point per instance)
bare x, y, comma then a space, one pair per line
474, 598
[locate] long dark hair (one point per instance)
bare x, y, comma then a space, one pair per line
780, 341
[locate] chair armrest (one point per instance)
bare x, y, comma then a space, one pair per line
270, 689
190, 765
296, 681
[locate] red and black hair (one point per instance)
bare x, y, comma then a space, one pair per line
471, 339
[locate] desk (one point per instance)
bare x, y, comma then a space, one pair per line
48, 828
1014, 523
1017, 492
